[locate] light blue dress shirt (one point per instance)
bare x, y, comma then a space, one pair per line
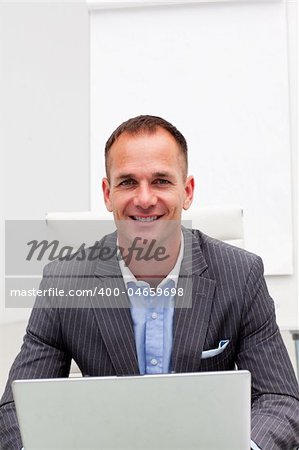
152, 317
152, 320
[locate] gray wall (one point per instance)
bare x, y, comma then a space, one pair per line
45, 109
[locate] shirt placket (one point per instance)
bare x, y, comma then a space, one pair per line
154, 337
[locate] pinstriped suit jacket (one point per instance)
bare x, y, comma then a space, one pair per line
229, 301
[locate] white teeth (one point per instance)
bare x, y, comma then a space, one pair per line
146, 219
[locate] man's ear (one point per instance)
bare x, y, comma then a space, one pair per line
106, 194
189, 191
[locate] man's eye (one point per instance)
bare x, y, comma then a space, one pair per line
162, 181
128, 182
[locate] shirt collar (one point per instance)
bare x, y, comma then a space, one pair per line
173, 275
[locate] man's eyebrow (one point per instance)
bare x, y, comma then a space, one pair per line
123, 176
163, 174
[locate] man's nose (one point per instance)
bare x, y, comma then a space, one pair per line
145, 197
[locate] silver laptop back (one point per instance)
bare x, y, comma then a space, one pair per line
208, 411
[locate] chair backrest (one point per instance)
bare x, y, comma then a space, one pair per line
220, 222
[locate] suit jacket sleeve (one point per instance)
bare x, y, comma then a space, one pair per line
275, 396
41, 356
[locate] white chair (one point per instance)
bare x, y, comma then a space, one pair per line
220, 222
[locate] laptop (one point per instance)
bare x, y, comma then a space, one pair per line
207, 411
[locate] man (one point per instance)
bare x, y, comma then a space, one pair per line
218, 295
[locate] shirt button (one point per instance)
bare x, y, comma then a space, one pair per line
154, 362
154, 315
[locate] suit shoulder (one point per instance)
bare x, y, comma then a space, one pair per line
227, 255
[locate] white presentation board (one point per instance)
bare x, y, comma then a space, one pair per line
219, 72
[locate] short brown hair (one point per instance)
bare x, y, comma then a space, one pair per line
147, 124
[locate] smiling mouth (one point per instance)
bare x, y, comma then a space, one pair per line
145, 219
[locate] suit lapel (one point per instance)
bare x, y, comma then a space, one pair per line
113, 314
193, 309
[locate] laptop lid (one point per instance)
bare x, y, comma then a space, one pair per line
208, 411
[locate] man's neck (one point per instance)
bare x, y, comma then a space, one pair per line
150, 263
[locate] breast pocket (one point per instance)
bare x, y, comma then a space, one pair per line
215, 351
219, 358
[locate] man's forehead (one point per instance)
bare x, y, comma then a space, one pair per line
151, 164
161, 144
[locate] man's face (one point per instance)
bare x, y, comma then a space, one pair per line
147, 187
